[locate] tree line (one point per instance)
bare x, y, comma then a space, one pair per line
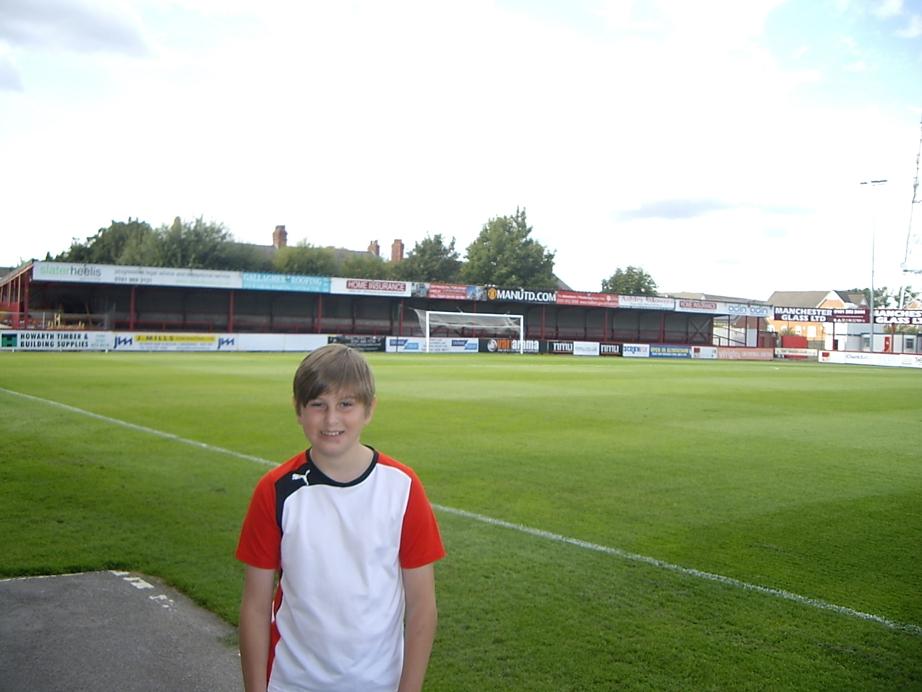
503, 254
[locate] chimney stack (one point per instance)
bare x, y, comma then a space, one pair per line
374, 248
397, 251
279, 237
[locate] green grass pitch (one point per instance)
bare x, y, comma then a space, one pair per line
803, 479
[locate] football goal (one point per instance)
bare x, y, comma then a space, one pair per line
487, 324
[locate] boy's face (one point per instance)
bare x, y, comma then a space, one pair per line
333, 422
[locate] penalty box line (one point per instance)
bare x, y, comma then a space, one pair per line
521, 528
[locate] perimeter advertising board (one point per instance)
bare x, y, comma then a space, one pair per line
659, 351
574, 348
405, 344
509, 346
453, 345
892, 360
417, 344
366, 344
156, 341
56, 341
635, 350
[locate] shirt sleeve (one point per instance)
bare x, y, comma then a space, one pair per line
261, 538
420, 541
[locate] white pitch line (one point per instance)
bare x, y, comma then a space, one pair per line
538, 533
687, 571
138, 428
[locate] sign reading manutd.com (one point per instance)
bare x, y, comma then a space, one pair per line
521, 295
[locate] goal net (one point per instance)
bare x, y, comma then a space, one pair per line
478, 323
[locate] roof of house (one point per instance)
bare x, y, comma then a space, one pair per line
813, 299
692, 295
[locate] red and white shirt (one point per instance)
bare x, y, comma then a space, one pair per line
339, 547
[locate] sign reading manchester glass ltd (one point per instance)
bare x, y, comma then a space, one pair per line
821, 314
897, 316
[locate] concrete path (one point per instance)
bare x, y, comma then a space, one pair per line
115, 631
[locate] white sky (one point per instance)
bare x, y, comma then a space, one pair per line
718, 144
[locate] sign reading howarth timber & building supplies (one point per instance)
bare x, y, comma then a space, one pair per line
821, 314
55, 341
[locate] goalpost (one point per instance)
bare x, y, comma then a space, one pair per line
513, 325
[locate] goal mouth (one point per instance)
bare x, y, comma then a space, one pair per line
493, 324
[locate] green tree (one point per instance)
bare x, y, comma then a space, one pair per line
249, 258
304, 258
632, 281
120, 243
883, 296
199, 245
504, 255
430, 260
365, 266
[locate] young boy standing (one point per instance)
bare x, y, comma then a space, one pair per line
351, 537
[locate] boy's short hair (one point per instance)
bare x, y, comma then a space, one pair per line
333, 368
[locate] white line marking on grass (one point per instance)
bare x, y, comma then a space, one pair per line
687, 571
138, 428
538, 533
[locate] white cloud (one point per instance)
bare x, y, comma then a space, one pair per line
885, 9
79, 26
913, 28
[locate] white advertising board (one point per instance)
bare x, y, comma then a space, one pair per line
32, 340
635, 350
585, 348
301, 343
370, 287
892, 360
704, 352
646, 302
159, 341
453, 345
405, 344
